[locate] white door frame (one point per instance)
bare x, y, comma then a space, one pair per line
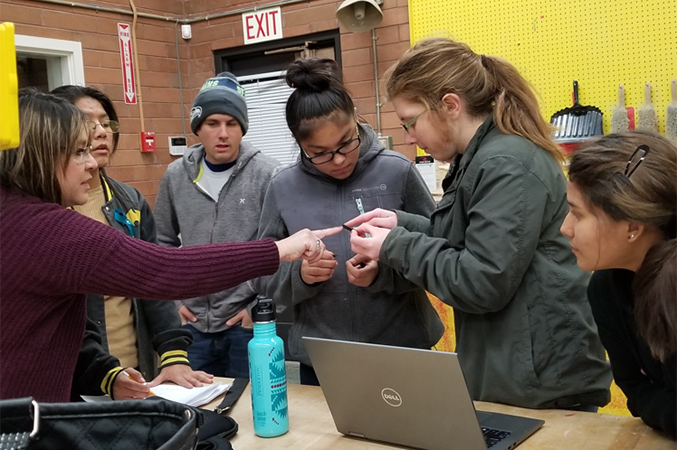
64, 58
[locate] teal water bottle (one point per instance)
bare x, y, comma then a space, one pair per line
267, 373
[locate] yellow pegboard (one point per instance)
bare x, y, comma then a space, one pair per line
599, 43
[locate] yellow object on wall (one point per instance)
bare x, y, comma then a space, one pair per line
9, 88
599, 43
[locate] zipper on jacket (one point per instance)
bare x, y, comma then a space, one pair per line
360, 209
216, 219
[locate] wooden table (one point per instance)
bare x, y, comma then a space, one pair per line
311, 427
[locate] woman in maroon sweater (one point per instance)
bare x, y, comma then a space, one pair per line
51, 257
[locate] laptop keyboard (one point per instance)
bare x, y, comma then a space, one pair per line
492, 437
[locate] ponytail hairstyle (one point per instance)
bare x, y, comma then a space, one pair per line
647, 195
655, 288
488, 85
74, 93
319, 95
49, 130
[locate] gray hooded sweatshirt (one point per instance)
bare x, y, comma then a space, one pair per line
392, 311
186, 215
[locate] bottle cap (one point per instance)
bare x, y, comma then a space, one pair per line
264, 310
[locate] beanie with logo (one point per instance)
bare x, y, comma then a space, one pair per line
221, 94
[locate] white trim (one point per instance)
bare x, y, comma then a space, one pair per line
66, 66
261, 76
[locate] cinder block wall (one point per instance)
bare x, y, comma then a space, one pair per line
165, 105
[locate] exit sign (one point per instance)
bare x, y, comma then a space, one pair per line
262, 25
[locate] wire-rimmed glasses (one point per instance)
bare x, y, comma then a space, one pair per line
80, 155
109, 126
406, 125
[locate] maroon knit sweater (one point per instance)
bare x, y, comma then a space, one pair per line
51, 257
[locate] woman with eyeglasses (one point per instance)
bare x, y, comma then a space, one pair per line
342, 171
492, 249
138, 332
52, 256
622, 224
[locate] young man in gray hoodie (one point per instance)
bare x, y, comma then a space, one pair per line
214, 194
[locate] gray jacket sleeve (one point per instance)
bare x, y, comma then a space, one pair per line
504, 208
166, 220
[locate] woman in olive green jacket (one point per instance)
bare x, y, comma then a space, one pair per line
492, 248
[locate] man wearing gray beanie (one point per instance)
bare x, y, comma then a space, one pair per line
215, 194
221, 94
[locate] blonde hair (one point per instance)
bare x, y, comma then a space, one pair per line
50, 128
435, 67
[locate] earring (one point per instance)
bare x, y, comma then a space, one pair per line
632, 236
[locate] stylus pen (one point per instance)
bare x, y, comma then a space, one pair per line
349, 229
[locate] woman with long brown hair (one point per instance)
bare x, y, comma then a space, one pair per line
52, 257
623, 225
492, 249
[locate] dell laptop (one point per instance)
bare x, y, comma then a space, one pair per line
411, 397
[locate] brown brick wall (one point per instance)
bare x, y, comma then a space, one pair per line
158, 88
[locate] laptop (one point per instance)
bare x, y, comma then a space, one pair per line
411, 397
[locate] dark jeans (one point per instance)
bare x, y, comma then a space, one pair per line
223, 354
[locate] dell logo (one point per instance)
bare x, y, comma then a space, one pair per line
391, 397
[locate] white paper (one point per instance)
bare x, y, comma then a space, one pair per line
196, 396
427, 170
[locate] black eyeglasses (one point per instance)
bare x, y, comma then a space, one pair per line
635, 160
109, 126
323, 158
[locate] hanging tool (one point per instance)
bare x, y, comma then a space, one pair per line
577, 123
619, 116
646, 115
